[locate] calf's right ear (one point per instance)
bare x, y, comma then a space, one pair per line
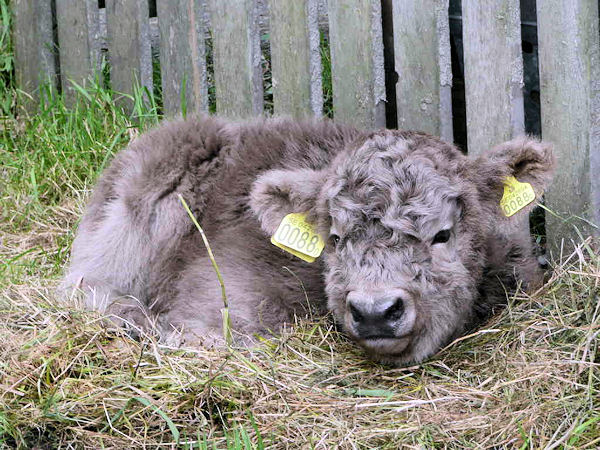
280, 192
527, 159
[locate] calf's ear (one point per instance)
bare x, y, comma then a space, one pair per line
527, 159
279, 192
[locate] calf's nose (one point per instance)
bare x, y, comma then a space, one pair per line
381, 312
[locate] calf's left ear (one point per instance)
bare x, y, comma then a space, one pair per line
527, 159
280, 192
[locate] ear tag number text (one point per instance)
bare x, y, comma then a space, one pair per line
297, 236
516, 196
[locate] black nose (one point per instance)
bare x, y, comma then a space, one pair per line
376, 318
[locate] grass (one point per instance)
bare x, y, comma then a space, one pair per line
529, 379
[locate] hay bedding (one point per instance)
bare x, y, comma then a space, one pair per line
528, 379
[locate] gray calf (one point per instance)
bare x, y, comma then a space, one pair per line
418, 250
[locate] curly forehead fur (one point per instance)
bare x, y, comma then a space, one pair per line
417, 249
403, 183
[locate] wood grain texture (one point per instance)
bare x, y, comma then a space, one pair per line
493, 72
129, 46
78, 29
295, 58
422, 61
33, 46
357, 68
182, 56
569, 58
237, 58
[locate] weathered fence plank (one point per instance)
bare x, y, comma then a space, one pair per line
423, 64
78, 29
34, 46
182, 56
296, 58
129, 45
493, 72
236, 57
357, 62
569, 58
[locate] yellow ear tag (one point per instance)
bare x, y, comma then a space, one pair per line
516, 196
298, 237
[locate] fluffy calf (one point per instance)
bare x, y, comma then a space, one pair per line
418, 250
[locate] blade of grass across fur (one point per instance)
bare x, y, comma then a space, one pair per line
225, 311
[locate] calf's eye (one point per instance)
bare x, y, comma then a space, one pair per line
334, 239
441, 237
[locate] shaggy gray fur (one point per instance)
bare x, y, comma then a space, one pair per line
382, 196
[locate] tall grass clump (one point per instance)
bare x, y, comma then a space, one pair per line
6, 61
50, 158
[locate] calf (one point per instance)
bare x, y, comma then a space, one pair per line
417, 247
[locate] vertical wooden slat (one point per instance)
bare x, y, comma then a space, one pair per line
422, 61
357, 62
129, 45
33, 46
295, 58
182, 56
77, 23
236, 51
493, 72
569, 58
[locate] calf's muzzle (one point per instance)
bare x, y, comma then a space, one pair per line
375, 316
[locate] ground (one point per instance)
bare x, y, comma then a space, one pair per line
530, 378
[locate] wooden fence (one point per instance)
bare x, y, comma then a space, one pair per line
65, 40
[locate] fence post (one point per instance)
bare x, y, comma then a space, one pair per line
423, 63
493, 72
182, 56
34, 47
569, 56
357, 66
78, 28
296, 58
129, 46
237, 58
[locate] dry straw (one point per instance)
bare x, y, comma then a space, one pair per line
528, 379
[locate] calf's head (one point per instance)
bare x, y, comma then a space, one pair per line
406, 217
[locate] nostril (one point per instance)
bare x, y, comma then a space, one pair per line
395, 311
356, 314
